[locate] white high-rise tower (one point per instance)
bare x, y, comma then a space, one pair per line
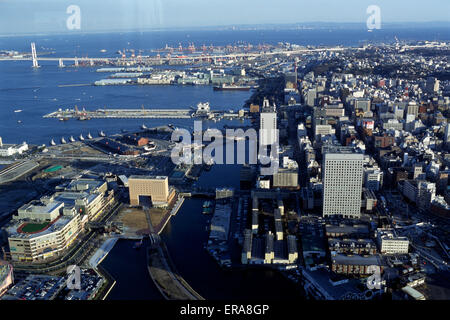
268, 133
342, 182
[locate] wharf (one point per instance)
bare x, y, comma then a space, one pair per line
122, 114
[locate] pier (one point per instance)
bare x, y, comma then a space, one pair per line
141, 114
122, 114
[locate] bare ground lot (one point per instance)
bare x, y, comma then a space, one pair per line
135, 221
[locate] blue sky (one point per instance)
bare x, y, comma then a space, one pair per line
43, 16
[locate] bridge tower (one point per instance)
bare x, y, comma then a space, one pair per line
34, 55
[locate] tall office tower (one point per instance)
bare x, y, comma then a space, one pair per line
342, 181
268, 126
447, 132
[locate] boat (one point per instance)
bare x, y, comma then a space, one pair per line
138, 245
18, 110
63, 119
102, 134
89, 136
103, 50
206, 204
52, 143
144, 127
150, 147
207, 210
63, 141
72, 139
19, 121
81, 137
231, 87
83, 118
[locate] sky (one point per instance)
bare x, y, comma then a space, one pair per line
47, 16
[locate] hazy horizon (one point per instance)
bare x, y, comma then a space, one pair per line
51, 16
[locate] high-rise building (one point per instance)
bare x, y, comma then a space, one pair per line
268, 126
342, 181
447, 133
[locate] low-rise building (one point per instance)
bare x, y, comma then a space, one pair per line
7, 150
352, 246
389, 243
355, 264
343, 230
285, 178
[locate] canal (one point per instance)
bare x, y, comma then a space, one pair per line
185, 236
